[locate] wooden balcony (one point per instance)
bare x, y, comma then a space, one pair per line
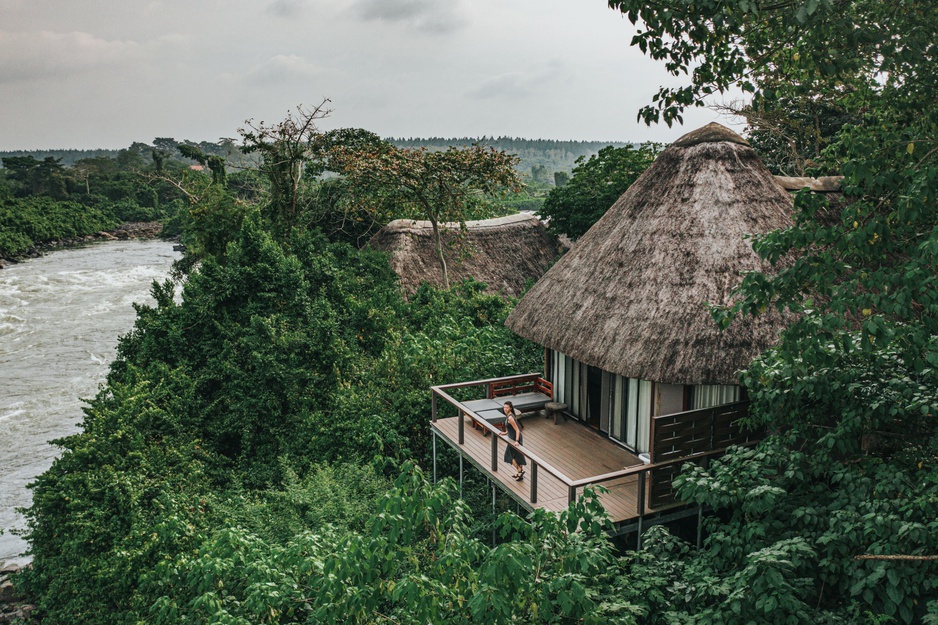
564, 458
568, 454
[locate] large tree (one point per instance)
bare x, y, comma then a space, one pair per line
444, 186
32, 177
285, 149
850, 479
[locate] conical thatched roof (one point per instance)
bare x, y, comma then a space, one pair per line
505, 253
630, 296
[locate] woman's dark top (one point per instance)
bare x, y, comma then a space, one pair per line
510, 452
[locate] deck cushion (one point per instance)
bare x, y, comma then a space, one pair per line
478, 405
527, 401
492, 416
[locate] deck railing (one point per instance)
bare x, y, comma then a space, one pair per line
521, 382
668, 466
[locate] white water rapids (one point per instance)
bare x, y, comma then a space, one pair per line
60, 317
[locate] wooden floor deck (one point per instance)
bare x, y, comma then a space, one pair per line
573, 449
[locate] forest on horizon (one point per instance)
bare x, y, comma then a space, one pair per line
553, 155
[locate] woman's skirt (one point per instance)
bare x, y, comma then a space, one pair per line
513, 454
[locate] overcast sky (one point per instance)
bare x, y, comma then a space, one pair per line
105, 73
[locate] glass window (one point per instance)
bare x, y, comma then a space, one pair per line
643, 419
709, 395
618, 407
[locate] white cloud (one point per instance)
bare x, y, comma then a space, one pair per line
517, 84
47, 54
283, 68
287, 9
431, 16
509, 85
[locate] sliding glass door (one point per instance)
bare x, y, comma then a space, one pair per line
614, 404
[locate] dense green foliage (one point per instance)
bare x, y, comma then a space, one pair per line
596, 185
27, 221
273, 397
415, 562
851, 392
42, 201
790, 131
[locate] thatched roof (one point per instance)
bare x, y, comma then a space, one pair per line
630, 296
505, 253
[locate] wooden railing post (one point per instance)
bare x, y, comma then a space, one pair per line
713, 430
533, 482
462, 428
432, 405
494, 452
571, 494
642, 477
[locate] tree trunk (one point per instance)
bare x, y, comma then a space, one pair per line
438, 244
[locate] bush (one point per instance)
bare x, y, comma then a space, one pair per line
26, 222
128, 209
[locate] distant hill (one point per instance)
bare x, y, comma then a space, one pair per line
549, 154
68, 157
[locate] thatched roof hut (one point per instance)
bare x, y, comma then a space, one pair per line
630, 297
505, 253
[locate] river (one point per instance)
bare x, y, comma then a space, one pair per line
60, 318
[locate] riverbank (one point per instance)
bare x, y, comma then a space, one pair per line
124, 232
12, 607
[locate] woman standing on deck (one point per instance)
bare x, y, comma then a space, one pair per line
513, 432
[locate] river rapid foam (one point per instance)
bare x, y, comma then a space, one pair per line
60, 318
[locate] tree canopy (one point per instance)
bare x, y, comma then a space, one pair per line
453, 185
572, 208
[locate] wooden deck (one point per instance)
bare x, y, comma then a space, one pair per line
571, 448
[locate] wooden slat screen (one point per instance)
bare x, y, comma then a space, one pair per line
687, 433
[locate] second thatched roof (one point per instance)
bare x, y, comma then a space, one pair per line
506, 253
630, 297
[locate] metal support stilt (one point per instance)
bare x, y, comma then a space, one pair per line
460, 476
493, 513
434, 458
642, 482
699, 526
